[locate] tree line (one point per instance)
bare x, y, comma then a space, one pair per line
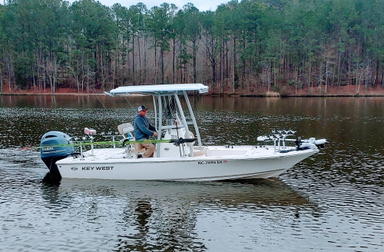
244, 46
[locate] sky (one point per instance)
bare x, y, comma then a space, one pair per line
202, 5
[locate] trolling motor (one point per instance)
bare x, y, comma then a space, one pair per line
320, 143
298, 142
55, 145
280, 137
306, 143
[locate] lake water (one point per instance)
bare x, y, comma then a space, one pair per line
333, 201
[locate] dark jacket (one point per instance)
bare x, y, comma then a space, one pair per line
143, 129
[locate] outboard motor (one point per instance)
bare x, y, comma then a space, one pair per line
55, 145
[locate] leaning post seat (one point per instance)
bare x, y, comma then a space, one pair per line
126, 130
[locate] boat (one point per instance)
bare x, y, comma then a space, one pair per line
180, 154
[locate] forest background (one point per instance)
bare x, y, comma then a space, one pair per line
251, 47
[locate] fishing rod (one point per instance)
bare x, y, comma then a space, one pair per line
124, 142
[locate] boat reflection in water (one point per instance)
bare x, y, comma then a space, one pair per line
155, 215
342, 188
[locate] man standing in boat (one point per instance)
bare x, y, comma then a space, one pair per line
144, 130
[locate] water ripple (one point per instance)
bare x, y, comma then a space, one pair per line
332, 201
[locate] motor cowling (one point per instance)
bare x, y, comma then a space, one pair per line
55, 145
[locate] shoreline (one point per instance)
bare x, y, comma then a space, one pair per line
211, 94
343, 91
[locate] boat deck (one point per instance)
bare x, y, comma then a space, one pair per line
213, 152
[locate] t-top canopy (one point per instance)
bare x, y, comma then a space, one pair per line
159, 89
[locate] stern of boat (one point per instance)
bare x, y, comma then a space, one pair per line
54, 146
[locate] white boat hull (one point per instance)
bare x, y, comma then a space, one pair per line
221, 163
180, 154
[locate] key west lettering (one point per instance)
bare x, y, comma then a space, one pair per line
97, 168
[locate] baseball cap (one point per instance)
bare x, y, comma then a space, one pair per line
141, 108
